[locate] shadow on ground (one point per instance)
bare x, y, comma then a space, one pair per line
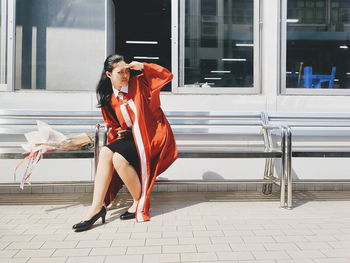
161, 200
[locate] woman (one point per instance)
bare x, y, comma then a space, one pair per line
141, 144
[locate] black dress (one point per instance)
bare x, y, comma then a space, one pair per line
127, 148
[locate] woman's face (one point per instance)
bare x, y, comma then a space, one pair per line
120, 75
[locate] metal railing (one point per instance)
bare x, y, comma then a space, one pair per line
312, 126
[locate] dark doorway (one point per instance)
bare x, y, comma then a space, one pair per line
148, 21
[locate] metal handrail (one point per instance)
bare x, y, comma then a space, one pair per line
308, 116
330, 124
35, 113
337, 121
97, 113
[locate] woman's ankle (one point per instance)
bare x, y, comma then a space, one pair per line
94, 209
132, 208
96, 206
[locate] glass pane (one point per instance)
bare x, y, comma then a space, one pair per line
143, 32
60, 44
318, 44
218, 39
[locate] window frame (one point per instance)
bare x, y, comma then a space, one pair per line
178, 55
7, 45
3, 45
283, 64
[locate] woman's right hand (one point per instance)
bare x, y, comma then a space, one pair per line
135, 65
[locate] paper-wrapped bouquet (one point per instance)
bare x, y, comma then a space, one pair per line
46, 139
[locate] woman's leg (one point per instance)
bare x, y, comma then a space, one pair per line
102, 180
130, 178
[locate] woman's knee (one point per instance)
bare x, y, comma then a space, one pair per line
105, 154
119, 161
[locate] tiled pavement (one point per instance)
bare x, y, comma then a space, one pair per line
185, 227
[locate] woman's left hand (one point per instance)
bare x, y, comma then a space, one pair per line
135, 65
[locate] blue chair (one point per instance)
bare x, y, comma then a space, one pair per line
313, 81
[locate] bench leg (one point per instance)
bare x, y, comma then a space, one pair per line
267, 188
283, 185
289, 170
271, 174
97, 147
283, 170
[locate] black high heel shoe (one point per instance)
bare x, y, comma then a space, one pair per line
87, 224
127, 215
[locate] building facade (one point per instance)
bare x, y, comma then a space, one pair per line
226, 55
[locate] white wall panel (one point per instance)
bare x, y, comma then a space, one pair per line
223, 102
44, 100
49, 170
269, 61
215, 169
323, 104
321, 168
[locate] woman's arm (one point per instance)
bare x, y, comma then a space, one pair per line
155, 76
135, 65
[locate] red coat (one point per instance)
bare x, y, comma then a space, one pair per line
152, 133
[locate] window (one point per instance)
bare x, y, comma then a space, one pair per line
219, 46
143, 32
316, 46
60, 44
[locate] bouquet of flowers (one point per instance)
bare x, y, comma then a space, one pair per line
44, 140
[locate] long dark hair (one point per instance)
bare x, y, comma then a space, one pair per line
104, 87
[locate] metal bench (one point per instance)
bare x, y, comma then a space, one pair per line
198, 135
313, 136
228, 135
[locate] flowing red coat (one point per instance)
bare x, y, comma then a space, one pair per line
152, 133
